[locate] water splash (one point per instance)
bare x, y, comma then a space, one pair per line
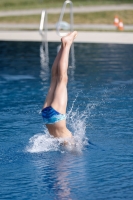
76, 122
42, 143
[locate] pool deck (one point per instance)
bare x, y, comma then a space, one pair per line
85, 37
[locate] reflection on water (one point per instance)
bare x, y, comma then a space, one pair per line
59, 179
44, 61
59, 173
72, 65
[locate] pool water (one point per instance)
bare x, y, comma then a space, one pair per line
34, 165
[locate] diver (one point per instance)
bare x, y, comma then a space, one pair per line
54, 109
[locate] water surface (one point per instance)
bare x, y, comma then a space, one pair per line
99, 114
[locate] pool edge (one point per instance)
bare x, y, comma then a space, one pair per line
83, 37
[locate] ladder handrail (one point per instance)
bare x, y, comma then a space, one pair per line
43, 24
61, 16
43, 33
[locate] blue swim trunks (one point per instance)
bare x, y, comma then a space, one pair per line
51, 116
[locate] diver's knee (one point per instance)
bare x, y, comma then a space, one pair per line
54, 77
63, 78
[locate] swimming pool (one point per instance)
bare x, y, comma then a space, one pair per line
100, 115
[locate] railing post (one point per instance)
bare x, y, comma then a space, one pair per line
43, 24
60, 22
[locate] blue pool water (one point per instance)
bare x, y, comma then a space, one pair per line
100, 114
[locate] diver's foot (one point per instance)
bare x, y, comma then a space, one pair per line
68, 39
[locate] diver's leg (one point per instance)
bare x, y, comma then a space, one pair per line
54, 76
60, 96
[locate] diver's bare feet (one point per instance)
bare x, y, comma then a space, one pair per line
68, 39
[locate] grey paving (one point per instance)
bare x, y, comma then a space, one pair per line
82, 9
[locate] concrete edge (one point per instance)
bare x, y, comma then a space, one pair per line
84, 37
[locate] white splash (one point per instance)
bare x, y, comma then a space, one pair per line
42, 143
76, 122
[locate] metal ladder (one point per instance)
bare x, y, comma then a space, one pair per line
43, 24
61, 24
44, 57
